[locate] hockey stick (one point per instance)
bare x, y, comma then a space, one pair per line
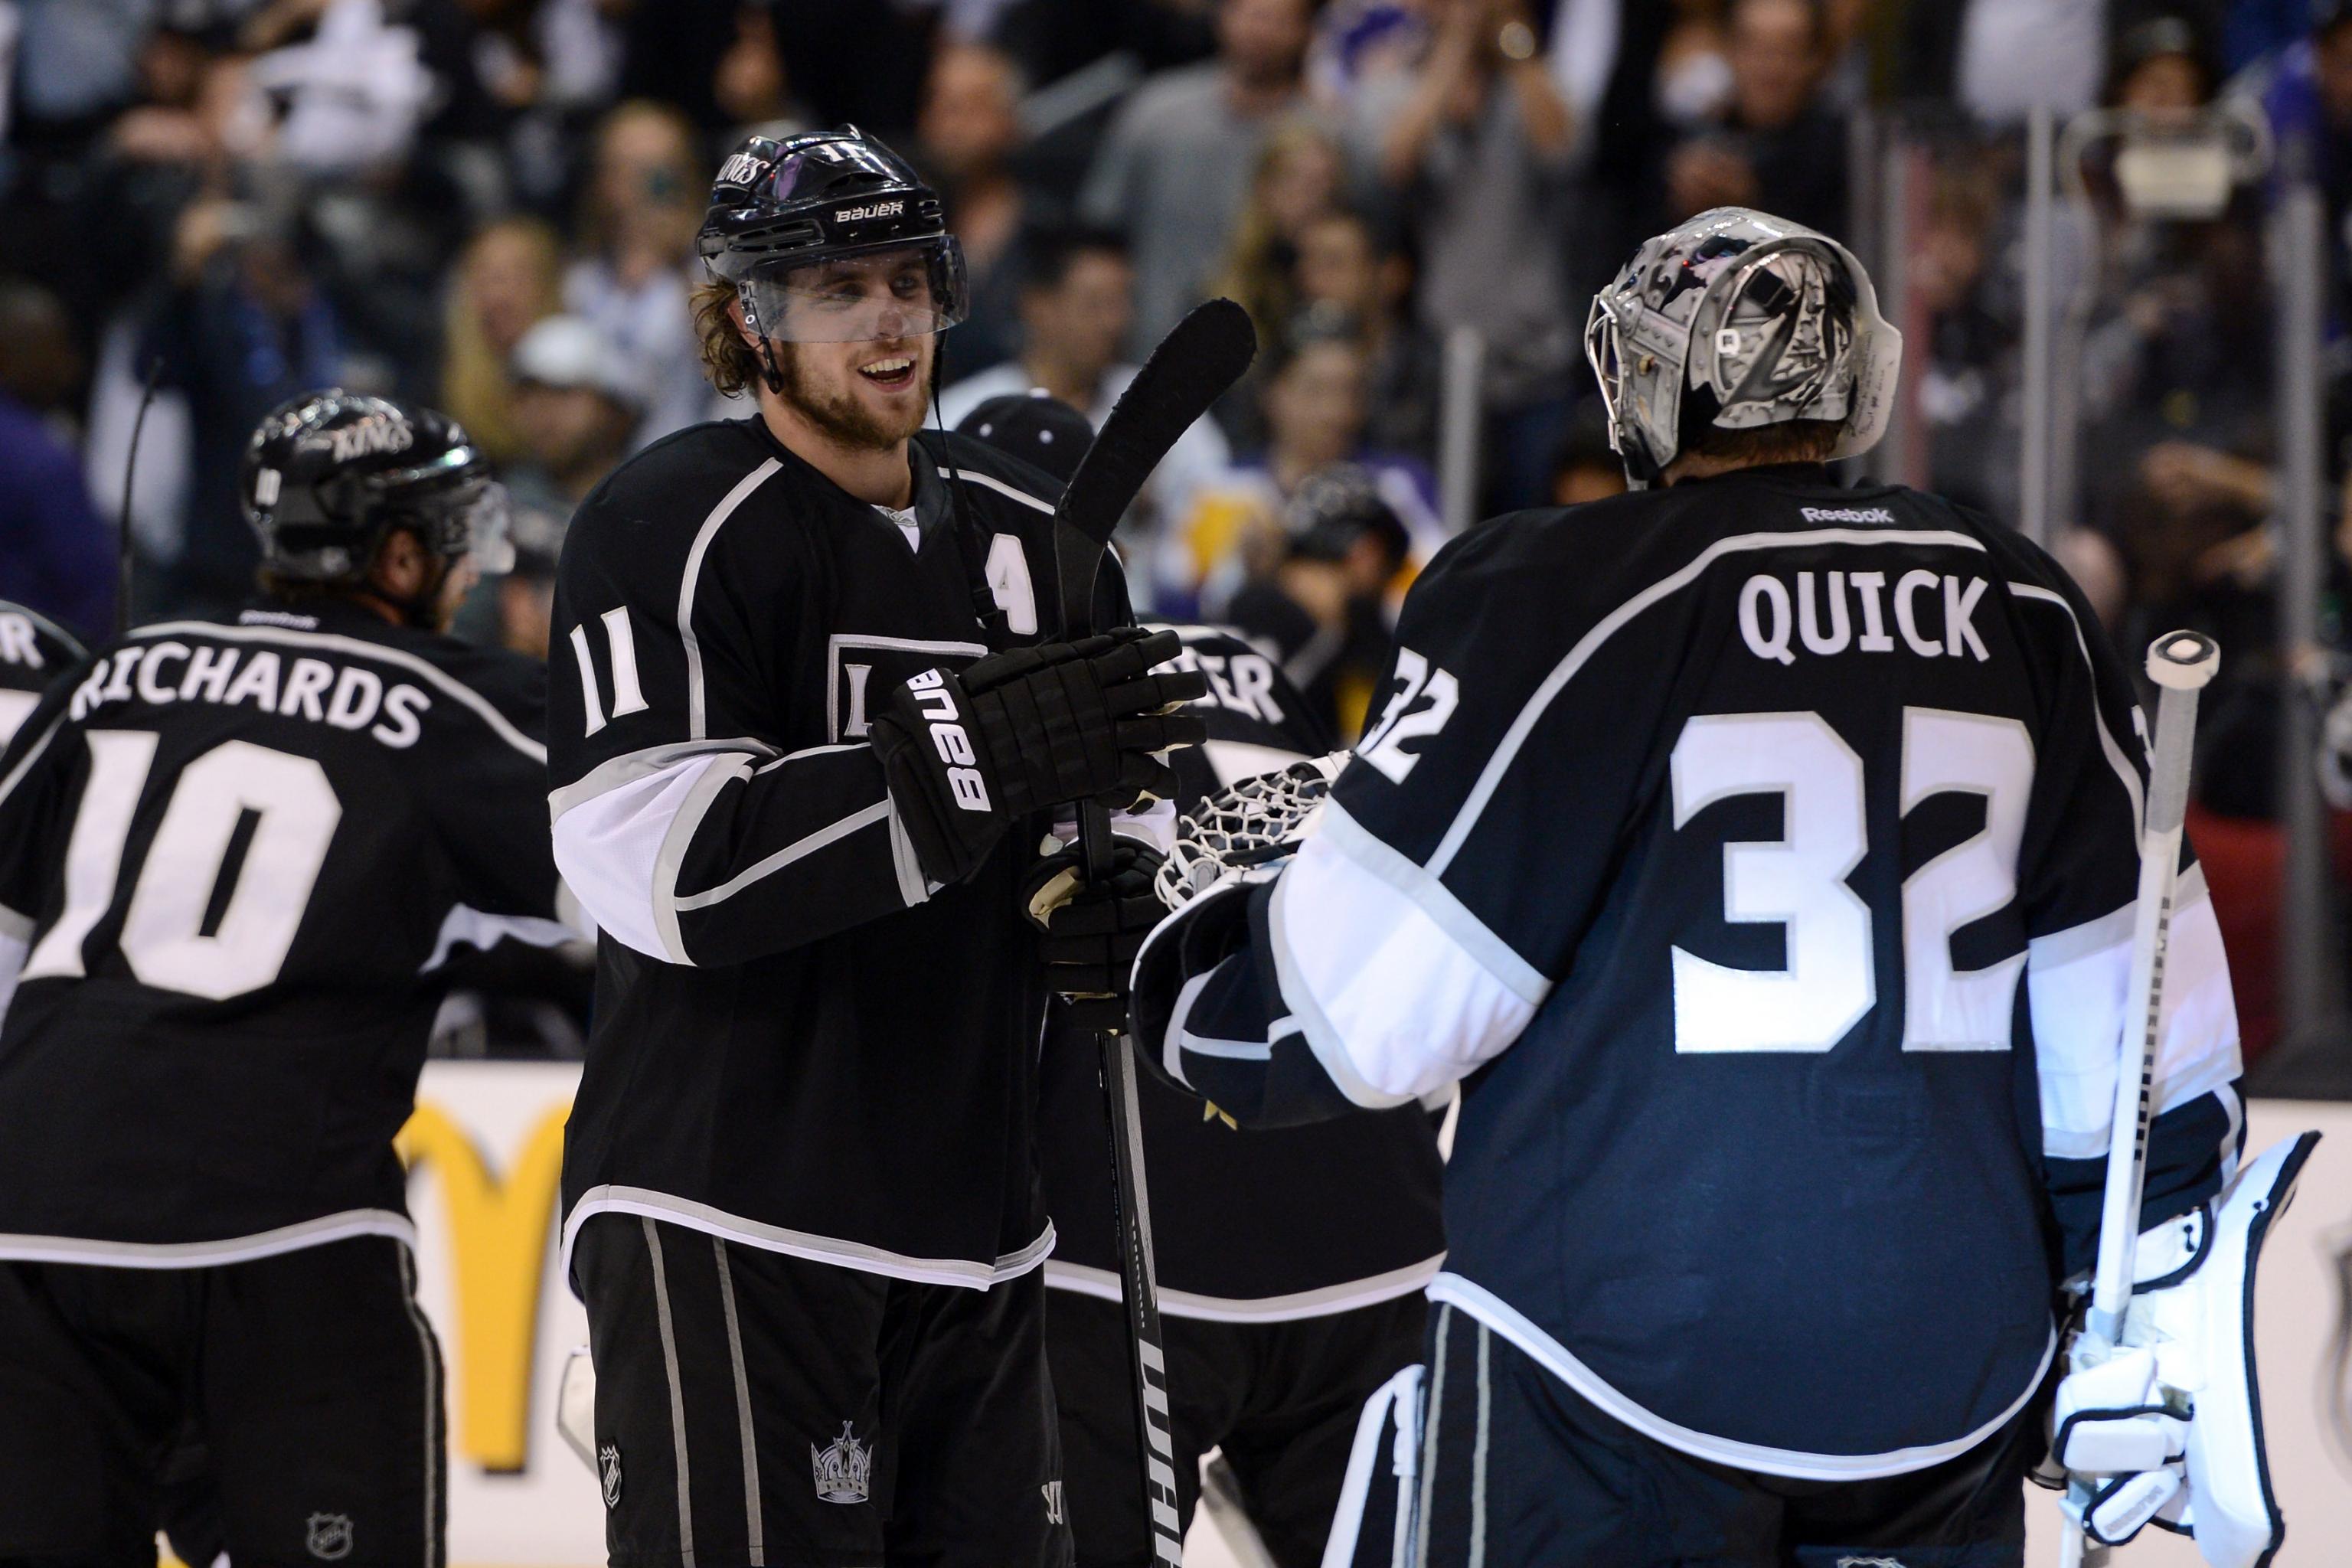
2180, 663
1189, 371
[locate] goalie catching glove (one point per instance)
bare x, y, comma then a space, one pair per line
2169, 1427
1027, 730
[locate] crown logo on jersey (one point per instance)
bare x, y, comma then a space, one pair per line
844, 1470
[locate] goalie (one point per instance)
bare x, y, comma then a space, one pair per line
1760, 856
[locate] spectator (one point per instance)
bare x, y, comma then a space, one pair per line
576, 404
969, 132
1968, 350
244, 326
2309, 101
507, 276
1349, 279
55, 555
1296, 181
1997, 59
1314, 404
2160, 68
1322, 612
1075, 307
1775, 146
1175, 169
1476, 146
645, 201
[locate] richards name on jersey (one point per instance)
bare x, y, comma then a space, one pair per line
349, 696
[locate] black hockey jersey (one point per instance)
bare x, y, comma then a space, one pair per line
33, 651
232, 855
798, 1044
1762, 857
1247, 1225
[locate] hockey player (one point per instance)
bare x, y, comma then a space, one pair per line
33, 651
229, 852
806, 740
1760, 857
1290, 1265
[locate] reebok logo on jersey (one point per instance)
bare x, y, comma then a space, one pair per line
938, 704
1932, 612
1845, 514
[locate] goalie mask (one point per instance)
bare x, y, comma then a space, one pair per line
1736, 320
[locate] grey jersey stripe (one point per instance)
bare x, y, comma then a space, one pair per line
695, 716
754, 1532
677, 1395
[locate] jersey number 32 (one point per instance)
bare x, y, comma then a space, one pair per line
1799, 881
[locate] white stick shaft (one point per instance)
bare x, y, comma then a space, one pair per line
2168, 804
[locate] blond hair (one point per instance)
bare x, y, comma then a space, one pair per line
729, 363
475, 388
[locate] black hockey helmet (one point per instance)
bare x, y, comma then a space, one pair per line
327, 474
1337, 506
794, 223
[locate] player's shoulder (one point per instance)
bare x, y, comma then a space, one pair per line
661, 499
34, 650
997, 482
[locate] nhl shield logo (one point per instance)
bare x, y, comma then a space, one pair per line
608, 1467
329, 1536
844, 1470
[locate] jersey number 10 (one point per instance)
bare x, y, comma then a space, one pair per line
1799, 881
294, 811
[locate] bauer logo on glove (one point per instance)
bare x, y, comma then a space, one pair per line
931, 697
1027, 730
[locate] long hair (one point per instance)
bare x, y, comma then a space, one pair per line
1257, 269
475, 389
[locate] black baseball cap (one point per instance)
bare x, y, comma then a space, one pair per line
1041, 430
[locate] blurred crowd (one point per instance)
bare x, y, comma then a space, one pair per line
490, 204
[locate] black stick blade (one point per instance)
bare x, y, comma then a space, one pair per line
1192, 367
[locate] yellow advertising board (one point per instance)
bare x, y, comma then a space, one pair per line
486, 1152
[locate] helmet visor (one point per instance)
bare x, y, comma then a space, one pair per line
465, 516
904, 291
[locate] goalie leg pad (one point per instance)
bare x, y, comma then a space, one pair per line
2201, 1330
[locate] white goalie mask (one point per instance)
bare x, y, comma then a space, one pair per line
1740, 320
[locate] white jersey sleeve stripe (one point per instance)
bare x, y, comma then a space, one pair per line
610, 848
1490, 778
1396, 986
696, 718
998, 486
2116, 758
2075, 983
612, 774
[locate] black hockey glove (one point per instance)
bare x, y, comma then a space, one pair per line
1030, 729
1093, 932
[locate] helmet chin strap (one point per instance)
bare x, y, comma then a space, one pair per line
768, 373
